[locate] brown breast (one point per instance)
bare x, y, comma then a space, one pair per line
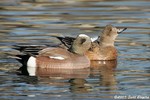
102, 53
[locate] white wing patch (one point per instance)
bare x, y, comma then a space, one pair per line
57, 57
94, 38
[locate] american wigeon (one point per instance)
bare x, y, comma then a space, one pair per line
58, 58
101, 49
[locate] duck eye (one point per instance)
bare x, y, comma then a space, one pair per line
110, 30
82, 41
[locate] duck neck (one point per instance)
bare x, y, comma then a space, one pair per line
106, 41
76, 51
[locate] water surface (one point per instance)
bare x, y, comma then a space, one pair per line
32, 22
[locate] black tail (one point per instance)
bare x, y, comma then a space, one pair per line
23, 59
26, 51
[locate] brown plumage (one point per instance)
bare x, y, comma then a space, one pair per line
57, 58
61, 58
103, 48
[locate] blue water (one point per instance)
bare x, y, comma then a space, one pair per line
33, 21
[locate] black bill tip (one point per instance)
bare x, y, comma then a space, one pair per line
121, 30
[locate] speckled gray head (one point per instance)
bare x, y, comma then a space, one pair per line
81, 44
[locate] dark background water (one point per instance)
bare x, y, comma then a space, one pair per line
33, 21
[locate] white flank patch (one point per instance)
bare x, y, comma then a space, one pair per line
31, 66
57, 57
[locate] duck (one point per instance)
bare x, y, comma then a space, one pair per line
103, 47
57, 57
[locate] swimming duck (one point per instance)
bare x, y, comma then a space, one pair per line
59, 58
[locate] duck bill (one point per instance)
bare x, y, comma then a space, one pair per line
121, 30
